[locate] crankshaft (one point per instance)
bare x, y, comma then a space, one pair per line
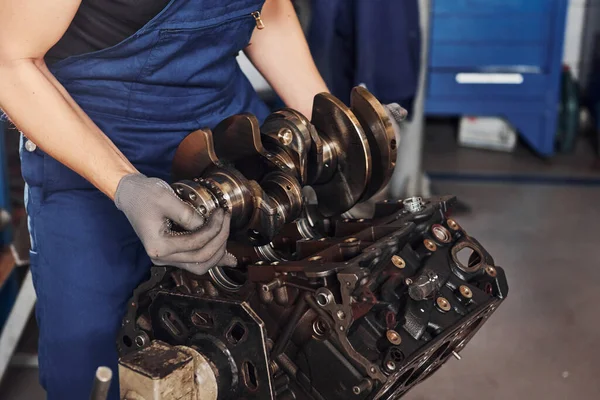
345, 154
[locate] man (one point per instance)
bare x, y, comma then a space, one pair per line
103, 92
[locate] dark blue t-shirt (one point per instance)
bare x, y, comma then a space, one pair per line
100, 24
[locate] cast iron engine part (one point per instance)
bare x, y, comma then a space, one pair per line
366, 313
320, 307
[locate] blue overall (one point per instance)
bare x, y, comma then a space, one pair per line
175, 75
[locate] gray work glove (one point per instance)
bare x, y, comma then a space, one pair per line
150, 205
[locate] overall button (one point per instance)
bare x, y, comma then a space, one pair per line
30, 146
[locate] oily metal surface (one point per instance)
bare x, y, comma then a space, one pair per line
238, 140
286, 130
338, 126
195, 154
380, 134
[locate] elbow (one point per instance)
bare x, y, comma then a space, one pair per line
9, 60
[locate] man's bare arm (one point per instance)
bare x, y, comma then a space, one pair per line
38, 104
281, 54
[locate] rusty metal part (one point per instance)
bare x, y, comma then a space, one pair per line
238, 140
195, 155
339, 128
163, 372
380, 134
370, 299
336, 302
159, 371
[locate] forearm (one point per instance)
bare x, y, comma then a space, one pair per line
42, 109
281, 54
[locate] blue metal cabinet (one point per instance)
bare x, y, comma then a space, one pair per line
499, 58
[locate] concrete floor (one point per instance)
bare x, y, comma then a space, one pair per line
543, 342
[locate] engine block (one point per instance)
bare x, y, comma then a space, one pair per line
320, 307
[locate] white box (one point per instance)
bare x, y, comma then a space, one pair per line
487, 133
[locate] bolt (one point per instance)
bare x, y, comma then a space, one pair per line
398, 262
193, 196
285, 136
180, 191
456, 355
390, 366
465, 291
393, 337
491, 271
443, 304
271, 285
408, 281
364, 386
140, 341
340, 314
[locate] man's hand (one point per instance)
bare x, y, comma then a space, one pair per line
150, 205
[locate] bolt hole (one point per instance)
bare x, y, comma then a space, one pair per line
250, 378
488, 288
442, 234
393, 144
322, 299
288, 187
396, 354
139, 341
320, 328
254, 236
